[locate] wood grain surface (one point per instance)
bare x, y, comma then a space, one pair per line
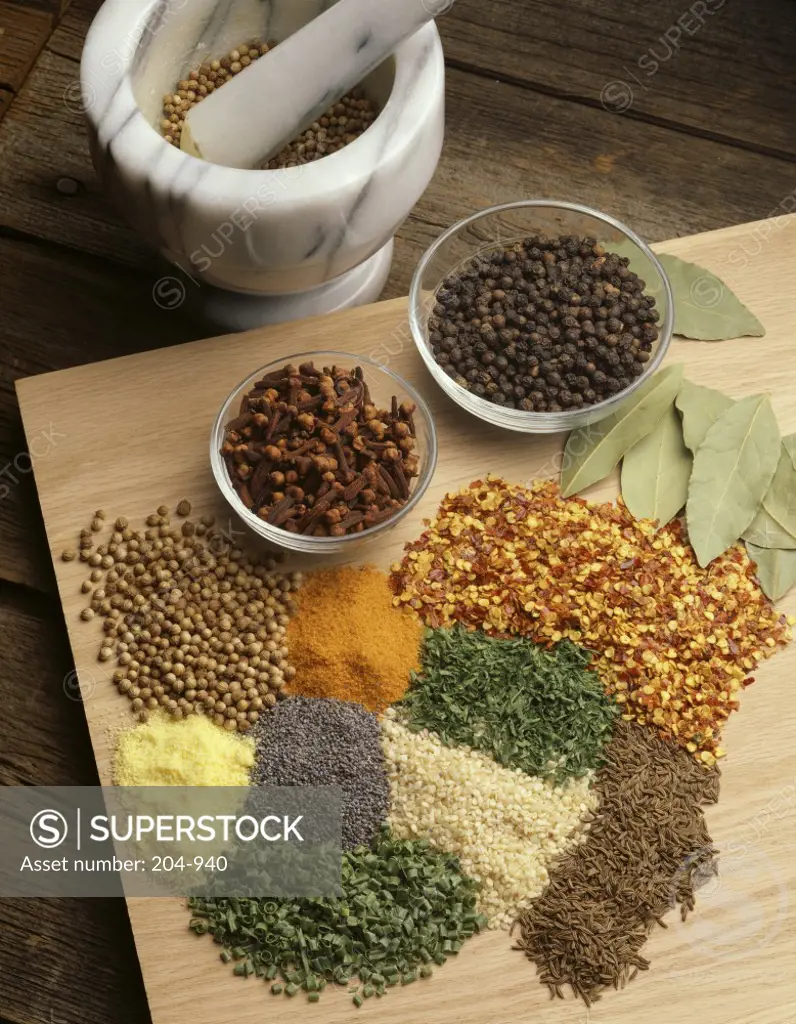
717, 68
728, 962
23, 33
708, 140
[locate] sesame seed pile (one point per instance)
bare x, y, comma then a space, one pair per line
343, 122
306, 741
505, 827
675, 643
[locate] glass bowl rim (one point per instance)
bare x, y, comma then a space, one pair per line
300, 542
519, 418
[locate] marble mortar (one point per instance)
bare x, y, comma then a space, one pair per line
263, 245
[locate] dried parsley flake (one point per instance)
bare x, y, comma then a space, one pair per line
537, 709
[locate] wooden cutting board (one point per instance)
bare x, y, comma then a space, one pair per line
129, 434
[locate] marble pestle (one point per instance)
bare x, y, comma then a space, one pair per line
278, 96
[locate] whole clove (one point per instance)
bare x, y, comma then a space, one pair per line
311, 453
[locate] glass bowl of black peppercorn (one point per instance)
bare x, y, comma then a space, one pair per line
540, 316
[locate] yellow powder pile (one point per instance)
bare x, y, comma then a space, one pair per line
189, 752
348, 641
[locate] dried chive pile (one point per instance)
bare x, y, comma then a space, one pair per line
548, 325
675, 643
341, 124
405, 908
505, 827
349, 641
195, 624
305, 742
539, 710
647, 851
311, 453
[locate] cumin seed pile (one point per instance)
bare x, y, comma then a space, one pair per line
647, 850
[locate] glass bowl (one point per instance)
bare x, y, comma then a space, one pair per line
501, 227
382, 384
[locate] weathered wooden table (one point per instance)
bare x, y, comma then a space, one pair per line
676, 118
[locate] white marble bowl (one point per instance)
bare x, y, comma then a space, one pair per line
282, 233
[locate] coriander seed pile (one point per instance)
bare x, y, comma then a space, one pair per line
548, 325
195, 625
341, 124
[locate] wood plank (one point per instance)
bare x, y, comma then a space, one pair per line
503, 142
69, 961
715, 967
54, 958
67, 40
722, 70
54, 7
60, 311
23, 33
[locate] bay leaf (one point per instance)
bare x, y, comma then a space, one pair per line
592, 452
789, 444
700, 408
780, 499
656, 471
766, 532
705, 309
733, 468
776, 569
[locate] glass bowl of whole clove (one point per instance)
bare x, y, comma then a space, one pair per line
540, 316
323, 451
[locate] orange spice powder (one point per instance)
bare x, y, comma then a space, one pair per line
347, 640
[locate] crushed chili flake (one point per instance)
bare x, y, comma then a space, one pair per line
675, 643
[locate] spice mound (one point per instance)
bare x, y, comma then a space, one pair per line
311, 453
341, 124
504, 826
674, 643
538, 710
192, 752
404, 908
548, 325
306, 742
196, 625
348, 641
647, 850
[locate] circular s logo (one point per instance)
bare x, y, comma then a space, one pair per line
48, 829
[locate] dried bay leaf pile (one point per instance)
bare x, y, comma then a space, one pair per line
683, 446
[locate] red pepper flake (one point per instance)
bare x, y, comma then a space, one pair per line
674, 642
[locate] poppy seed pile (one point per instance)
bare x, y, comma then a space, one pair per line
306, 741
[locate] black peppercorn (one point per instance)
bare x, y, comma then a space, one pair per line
545, 325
